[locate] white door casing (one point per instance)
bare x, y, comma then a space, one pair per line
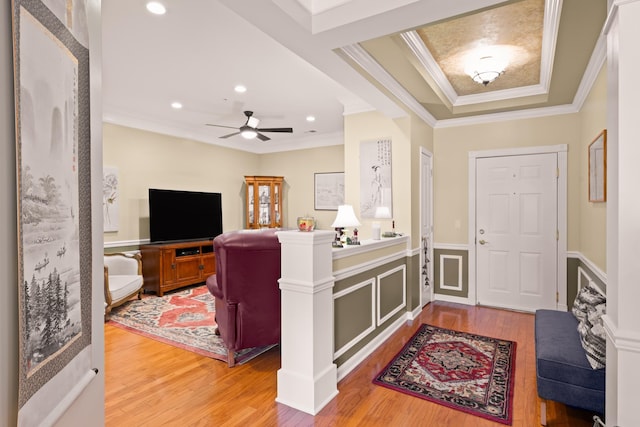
426, 226
522, 263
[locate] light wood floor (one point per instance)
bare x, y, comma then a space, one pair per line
153, 384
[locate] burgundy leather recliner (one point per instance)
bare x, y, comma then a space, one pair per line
246, 289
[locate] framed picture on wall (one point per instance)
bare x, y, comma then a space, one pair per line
328, 191
598, 168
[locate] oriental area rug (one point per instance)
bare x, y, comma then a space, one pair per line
184, 319
470, 373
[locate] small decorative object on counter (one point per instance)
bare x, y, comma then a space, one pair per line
306, 223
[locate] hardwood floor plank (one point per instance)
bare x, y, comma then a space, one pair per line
149, 383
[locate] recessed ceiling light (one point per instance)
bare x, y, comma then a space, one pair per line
311, 119
240, 89
156, 8
176, 105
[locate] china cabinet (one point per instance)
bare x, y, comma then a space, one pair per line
263, 201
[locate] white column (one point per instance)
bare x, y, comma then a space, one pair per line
622, 321
308, 378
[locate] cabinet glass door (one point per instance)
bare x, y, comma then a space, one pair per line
250, 203
264, 193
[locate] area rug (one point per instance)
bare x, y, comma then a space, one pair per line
184, 319
471, 373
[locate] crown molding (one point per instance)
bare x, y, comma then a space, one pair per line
596, 62
506, 116
358, 55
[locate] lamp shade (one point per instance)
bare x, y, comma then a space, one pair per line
382, 212
346, 217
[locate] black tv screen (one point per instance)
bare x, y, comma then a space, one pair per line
184, 215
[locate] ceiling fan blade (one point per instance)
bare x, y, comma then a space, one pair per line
231, 134
289, 130
220, 126
262, 137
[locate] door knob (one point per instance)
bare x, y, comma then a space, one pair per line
482, 241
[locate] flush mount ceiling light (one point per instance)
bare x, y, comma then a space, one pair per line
177, 105
240, 89
485, 69
156, 8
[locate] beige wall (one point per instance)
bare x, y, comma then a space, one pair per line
592, 230
451, 158
150, 160
298, 168
372, 126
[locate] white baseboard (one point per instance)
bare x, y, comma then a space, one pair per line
370, 347
451, 298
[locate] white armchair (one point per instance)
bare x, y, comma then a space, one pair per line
122, 279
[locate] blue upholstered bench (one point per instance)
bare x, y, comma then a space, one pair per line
562, 369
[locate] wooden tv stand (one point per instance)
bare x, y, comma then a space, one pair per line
168, 266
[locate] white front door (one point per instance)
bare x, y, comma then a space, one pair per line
516, 231
426, 226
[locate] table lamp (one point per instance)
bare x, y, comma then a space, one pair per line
346, 217
382, 212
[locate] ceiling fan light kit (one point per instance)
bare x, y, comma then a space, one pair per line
250, 129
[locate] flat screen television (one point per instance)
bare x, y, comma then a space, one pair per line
184, 215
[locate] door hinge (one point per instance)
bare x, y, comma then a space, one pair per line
557, 297
557, 172
557, 235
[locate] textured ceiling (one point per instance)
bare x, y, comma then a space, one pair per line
515, 30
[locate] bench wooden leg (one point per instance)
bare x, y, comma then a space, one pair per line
543, 412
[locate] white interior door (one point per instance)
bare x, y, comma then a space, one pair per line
426, 227
516, 231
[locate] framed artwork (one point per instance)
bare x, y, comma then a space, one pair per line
53, 148
328, 191
375, 176
110, 198
598, 168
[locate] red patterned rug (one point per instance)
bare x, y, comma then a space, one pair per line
184, 319
471, 373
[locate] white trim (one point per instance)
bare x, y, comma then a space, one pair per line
622, 339
425, 156
451, 298
451, 246
442, 285
304, 287
381, 276
359, 357
561, 271
411, 315
121, 243
372, 327
583, 273
366, 266
360, 56
506, 116
596, 62
586, 261
369, 245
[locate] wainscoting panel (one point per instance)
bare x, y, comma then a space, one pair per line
354, 311
392, 293
451, 270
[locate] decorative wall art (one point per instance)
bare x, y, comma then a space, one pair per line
375, 176
598, 168
51, 72
110, 198
328, 191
